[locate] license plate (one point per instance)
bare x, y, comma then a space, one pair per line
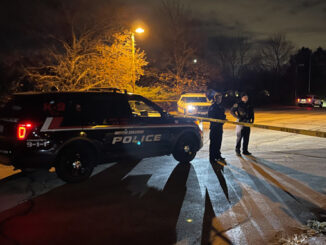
1, 128
303, 100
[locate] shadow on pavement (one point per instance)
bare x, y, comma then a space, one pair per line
276, 182
208, 227
218, 170
106, 209
317, 183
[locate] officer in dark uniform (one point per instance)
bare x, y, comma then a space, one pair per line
216, 111
244, 112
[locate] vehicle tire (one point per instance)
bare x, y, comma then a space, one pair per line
185, 149
74, 164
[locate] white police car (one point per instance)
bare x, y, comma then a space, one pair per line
193, 104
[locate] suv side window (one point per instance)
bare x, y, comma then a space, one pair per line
72, 113
141, 107
106, 109
66, 106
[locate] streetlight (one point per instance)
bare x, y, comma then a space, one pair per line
133, 74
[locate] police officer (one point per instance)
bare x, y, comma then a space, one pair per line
216, 111
244, 112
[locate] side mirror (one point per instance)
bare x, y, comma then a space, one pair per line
144, 113
165, 114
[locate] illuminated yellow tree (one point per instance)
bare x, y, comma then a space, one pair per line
89, 62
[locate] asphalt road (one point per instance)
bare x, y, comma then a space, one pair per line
257, 199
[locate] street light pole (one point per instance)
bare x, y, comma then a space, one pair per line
133, 75
133, 72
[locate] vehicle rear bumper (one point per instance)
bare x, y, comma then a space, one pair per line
306, 104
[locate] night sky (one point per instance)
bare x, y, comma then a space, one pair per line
303, 21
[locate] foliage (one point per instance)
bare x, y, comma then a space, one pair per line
307, 65
155, 92
10, 76
89, 61
180, 45
233, 55
194, 79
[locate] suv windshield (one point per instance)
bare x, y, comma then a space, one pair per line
195, 99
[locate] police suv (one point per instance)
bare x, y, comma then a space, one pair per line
75, 131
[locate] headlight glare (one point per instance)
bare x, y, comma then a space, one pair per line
191, 108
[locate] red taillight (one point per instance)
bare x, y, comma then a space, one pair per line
309, 100
298, 100
23, 130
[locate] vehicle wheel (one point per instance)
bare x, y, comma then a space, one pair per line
74, 164
185, 149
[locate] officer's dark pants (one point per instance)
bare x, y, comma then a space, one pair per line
215, 137
242, 133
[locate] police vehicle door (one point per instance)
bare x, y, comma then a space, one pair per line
151, 129
106, 120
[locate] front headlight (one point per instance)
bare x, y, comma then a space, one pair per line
191, 108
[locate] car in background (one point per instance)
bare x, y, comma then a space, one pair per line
310, 100
193, 104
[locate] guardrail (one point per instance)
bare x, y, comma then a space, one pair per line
275, 128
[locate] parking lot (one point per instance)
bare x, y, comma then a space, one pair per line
256, 200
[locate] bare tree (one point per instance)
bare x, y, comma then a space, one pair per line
179, 41
233, 55
276, 52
